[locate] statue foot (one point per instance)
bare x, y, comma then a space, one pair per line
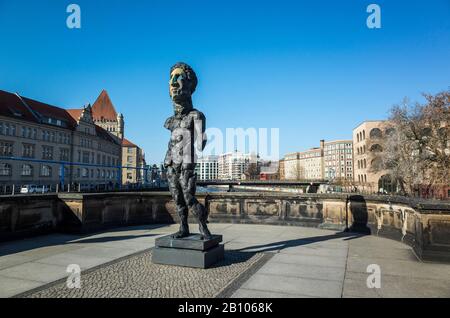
205, 234
181, 234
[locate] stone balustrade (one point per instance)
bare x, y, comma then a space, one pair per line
425, 225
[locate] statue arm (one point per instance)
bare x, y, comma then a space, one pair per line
168, 123
200, 129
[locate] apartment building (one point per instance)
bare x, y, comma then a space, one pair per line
338, 160
233, 165
207, 168
46, 145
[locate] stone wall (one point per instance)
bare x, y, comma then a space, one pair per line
425, 225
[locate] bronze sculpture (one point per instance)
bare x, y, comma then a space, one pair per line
187, 127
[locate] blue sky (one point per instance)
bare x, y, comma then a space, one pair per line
311, 68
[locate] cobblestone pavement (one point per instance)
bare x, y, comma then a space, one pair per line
304, 262
137, 277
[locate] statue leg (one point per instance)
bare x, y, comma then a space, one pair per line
187, 181
177, 195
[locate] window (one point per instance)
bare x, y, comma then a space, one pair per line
47, 153
86, 155
375, 133
6, 148
27, 170
5, 169
64, 154
28, 151
85, 173
46, 171
376, 148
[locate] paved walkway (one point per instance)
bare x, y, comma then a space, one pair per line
306, 262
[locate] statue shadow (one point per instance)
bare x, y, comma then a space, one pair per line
358, 208
56, 239
281, 245
242, 255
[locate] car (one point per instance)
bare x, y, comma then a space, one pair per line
32, 188
29, 188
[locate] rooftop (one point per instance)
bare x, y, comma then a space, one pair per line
103, 108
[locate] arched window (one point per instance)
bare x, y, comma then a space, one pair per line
85, 173
377, 164
386, 184
375, 133
27, 170
390, 132
364, 149
364, 134
376, 148
365, 164
365, 178
5, 169
357, 137
359, 165
46, 171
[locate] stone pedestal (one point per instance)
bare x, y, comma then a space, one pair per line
190, 251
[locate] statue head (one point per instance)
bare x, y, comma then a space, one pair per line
182, 84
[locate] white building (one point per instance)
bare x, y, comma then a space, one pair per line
332, 160
338, 158
207, 168
232, 165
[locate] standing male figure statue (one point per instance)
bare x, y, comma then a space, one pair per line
187, 127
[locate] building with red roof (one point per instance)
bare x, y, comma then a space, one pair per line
42, 144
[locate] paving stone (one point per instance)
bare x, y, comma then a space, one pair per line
303, 271
328, 261
13, 286
35, 271
294, 285
251, 293
355, 285
66, 259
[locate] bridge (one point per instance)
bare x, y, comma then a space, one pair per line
262, 182
312, 184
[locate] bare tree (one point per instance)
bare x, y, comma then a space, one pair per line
415, 150
252, 171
